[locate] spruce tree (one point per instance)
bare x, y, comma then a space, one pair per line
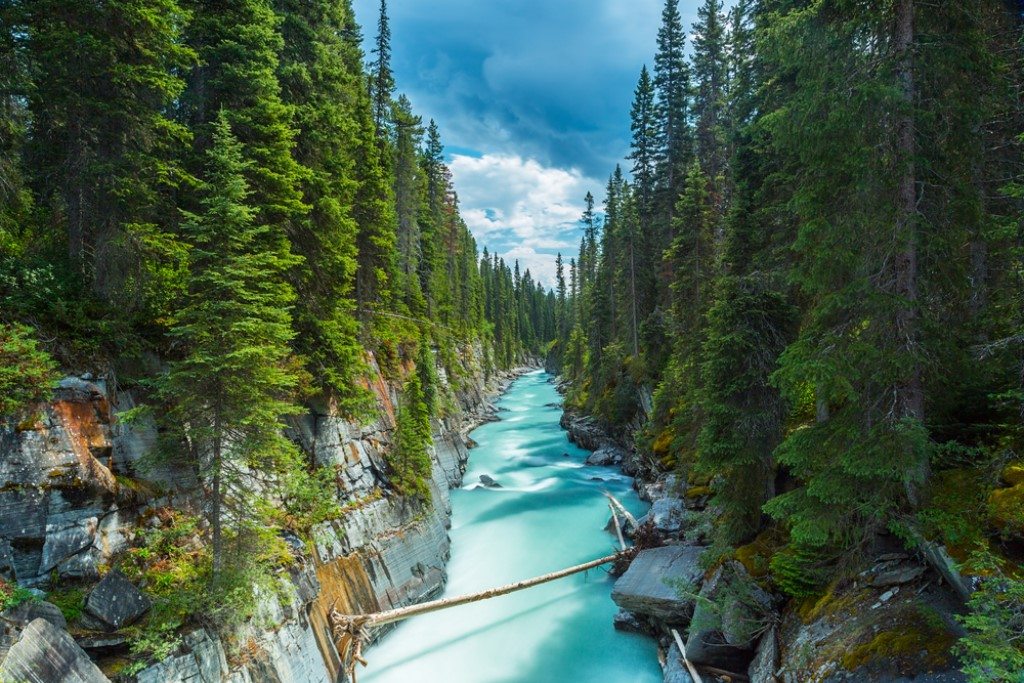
408, 191
317, 81
382, 81
859, 354
229, 392
710, 71
644, 151
672, 85
104, 154
239, 43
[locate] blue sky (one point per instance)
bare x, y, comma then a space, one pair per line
532, 98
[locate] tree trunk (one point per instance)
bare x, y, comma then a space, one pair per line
215, 506
910, 395
632, 287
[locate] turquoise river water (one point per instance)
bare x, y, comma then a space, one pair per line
549, 514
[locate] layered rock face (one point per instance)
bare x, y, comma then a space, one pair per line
73, 497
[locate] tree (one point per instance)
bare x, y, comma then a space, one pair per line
675, 141
408, 190
239, 43
104, 154
382, 80
859, 352
231, 389
27, 373
710, 71
319, 84
643, 124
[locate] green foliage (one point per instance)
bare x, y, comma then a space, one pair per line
800, 570
12, 596
70, 601
227, 395
320, 80
992, 650
410, 458
27, 373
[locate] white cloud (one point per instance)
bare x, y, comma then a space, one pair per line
521, 208
541, 266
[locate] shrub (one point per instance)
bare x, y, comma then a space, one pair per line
27, 373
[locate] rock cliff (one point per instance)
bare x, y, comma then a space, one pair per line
75, 494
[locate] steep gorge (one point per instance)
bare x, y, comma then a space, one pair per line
76, 495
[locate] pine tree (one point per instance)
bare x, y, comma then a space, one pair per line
753, 315
229, 392
317, 81
644, 145
408, 191
410, 458
672, 84
382, 81
859, 352
239, 43
104, 154
710, 71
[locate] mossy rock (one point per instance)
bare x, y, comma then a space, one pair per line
698, 479
851, 632
662, 443
1006, 507
1014, 474
831, 603
756, 556
698, 491
908, 645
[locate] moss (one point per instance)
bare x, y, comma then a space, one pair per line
662, 443
924, 640
955, 511
828, 604
756, 556
698, 491
698, 479
1014, 474
114, 666
70, 601
1006, 509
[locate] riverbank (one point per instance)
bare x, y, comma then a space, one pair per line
892, 618
383, 551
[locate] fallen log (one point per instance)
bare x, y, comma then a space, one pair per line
352, 631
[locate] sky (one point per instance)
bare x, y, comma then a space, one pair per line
532, 98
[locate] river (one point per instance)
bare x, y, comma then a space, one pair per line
548, 515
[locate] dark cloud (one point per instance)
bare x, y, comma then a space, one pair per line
545, 79
533, 99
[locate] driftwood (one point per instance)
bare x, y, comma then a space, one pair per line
618, 527
682, 652
614, 502
353, 631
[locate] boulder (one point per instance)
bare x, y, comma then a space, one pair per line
115, 602
654, 583
896, 575
666, 514
30, 610
201, 660
627, 622
731, 611
850, 634
675, 670
605, 456
766, 659
489, 482
584, 431
47, 654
